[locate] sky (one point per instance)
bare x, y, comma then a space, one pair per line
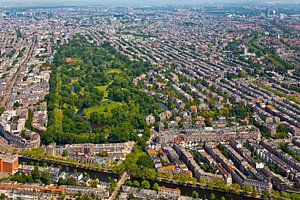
128, 2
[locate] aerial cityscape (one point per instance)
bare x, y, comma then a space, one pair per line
149, 100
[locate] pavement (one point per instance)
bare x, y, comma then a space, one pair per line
119, 185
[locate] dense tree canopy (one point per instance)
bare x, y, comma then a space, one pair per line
91, 96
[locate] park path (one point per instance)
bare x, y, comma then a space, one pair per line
119, 185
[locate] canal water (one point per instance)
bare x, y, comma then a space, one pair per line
102, 176
203, 193
185, 190
91, 125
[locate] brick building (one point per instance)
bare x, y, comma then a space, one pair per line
8, 163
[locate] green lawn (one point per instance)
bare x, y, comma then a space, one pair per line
103, 88
113, 71
105, 108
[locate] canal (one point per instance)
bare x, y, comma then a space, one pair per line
103, 176
203, 193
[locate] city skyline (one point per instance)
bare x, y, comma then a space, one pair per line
149, 99
28, 3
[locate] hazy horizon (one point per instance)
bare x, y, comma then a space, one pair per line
27, 3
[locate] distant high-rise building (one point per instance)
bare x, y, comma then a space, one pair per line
272, 12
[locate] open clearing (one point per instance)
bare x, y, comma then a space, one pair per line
104, 108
